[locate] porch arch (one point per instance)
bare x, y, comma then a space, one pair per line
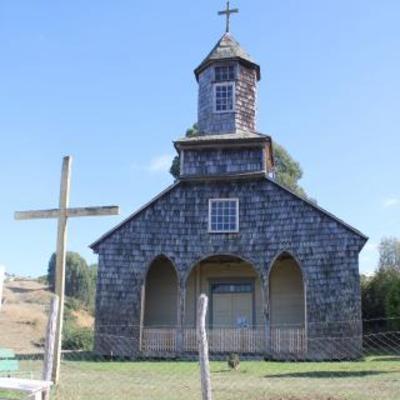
161, 287
202, 259
287, 306
236, 318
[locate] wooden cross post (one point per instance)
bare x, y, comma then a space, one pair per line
228, 11
62, 214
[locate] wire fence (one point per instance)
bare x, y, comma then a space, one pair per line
252, 363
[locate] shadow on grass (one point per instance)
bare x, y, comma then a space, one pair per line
328, 374
385, 358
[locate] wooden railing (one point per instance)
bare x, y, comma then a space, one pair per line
286, 340
159, 340
221, 340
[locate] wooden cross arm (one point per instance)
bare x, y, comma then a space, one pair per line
92, 211
231, 11
69, 212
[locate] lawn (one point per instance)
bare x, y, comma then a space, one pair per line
373, 378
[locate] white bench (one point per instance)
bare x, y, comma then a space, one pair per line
34, 389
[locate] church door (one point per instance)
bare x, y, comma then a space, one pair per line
232, 305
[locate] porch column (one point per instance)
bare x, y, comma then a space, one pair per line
181, 317
267, 330
142, 308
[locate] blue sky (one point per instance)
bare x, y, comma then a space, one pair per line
111, 83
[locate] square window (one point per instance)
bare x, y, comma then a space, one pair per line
223, 215
225, 73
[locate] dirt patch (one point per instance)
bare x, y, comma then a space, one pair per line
24, 315
83, 318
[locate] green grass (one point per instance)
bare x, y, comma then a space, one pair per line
373, 378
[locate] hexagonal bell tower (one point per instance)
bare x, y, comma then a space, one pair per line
226, 144
227, 89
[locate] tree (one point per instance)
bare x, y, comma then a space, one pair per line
381, 292
374, 290
392, 304
78, 277
389, 254
287, 170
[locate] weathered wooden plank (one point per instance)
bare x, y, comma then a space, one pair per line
69, 212
203, 349
92, 211
24, 385
40, 214
50, 339
50, 344
60, 261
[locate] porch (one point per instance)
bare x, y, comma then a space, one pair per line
281, 342
237, 304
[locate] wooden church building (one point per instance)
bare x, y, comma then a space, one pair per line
281, 273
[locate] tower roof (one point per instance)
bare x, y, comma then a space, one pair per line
227, 48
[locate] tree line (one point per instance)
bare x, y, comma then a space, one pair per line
380, 292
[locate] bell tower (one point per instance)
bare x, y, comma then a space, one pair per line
226, 145
227, 89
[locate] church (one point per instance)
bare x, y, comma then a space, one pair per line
281, 273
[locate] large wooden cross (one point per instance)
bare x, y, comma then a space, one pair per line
228, 11
62, 213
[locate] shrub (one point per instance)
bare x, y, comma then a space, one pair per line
77, 338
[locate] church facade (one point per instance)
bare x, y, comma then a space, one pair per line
281, 273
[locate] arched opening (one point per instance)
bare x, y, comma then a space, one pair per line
287, 307
235, 316
161, 295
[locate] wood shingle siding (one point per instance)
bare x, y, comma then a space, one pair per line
272, 221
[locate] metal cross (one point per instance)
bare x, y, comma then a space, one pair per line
228, 13
62, 214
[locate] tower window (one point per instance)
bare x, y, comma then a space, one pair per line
223, 215
224, 97
225, 73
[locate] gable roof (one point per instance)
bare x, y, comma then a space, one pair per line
227, 48
177, 183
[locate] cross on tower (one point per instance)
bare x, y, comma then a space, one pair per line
228, 13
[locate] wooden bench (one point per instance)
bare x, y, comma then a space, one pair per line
8, 362
33, 388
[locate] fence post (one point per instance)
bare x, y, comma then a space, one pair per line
203, 348
50, 342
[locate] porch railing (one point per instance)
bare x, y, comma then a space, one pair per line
283, 340
286, 340
221, 340
159, 340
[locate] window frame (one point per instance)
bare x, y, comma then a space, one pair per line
221, 200
222, 84
227, 66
